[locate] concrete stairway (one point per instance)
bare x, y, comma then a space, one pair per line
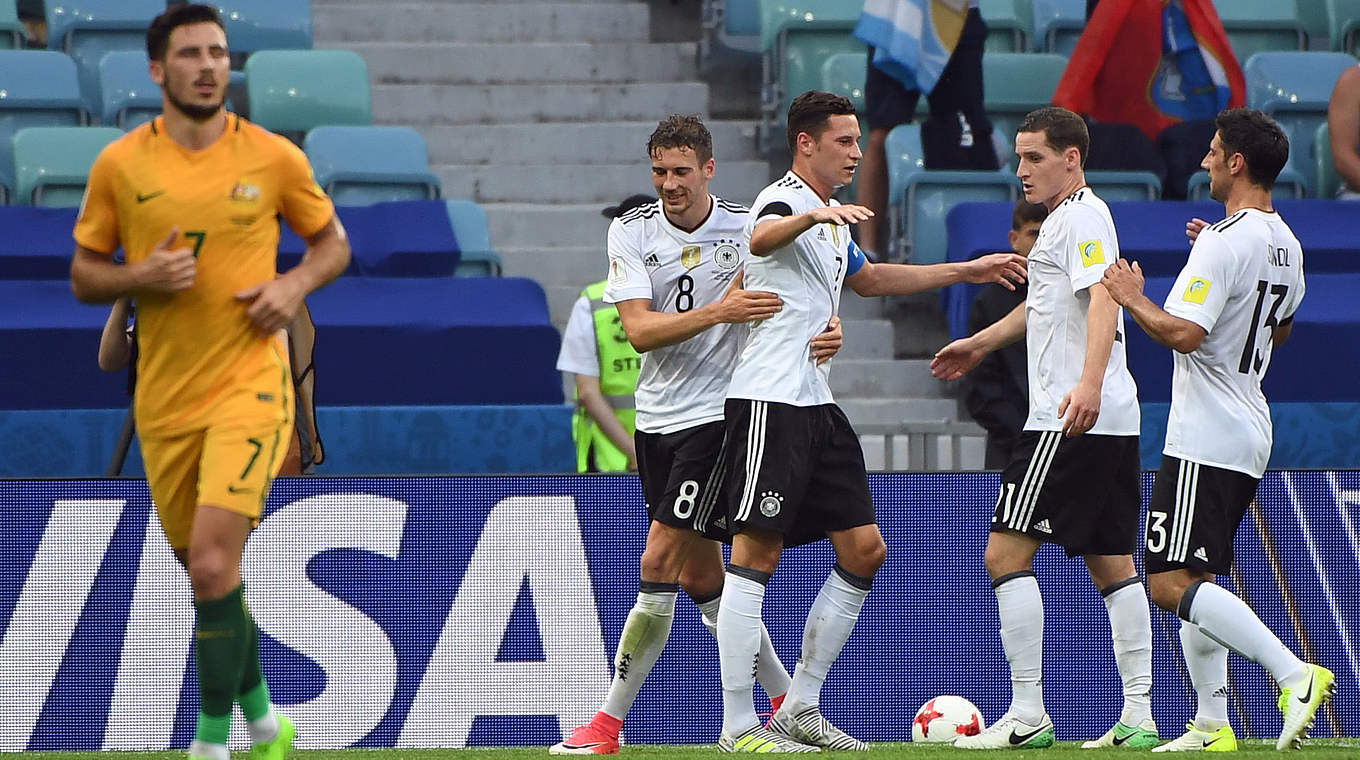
540, 112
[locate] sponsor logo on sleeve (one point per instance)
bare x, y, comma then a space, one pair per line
618, 273
1196, 291
1091, 253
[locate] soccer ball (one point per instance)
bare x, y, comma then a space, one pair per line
946, 718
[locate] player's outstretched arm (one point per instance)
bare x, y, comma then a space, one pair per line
96, 279
648, 329
958, 358
773, 234
1124, 283
1007, 269
274, 303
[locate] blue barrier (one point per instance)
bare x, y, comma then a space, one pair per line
416, 612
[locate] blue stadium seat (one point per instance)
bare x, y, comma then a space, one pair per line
41, 90
905, 158
796, 37
12, 31
52, 164
730, 25
1009, 28
477, 258
1057, 25
128, 97
1013, 84
1294, 88
1327, 179
843, 74
87, 29
930, 195
1125, 185
359, 165
296, 90
254, 25
1256, 26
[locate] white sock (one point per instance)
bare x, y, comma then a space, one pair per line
1021, 608
201, 750
739, 627
770, 672
644, 636
829, 623
1207, 661
1131, 628
1229, 621
264, 729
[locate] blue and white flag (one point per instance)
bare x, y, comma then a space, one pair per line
912, 39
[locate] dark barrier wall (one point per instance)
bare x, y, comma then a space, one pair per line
477, 610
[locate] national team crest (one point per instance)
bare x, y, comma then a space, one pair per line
690, 256
725, 256
245, 193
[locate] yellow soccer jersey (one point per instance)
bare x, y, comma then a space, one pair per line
199, 352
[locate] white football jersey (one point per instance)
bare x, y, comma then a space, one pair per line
1244, 277
683, 385
777, 363
1076, 243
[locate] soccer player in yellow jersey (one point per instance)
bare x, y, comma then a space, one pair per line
192, 198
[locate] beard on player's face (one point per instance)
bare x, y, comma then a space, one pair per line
199, 112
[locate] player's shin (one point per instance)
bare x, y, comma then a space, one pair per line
830, 620
644, 636
1207, 661
1131, 628
1228, 620
220, 645
253, 696
770, 672
739, 626
1021, 609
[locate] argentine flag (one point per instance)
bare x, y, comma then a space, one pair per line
912, 39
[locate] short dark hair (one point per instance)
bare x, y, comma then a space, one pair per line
810, 111
1062, 129
1025, 211
677, 131
175, 16
1258, 138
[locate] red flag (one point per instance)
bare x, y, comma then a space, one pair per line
1117, 67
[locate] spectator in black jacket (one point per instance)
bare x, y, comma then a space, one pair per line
997, 391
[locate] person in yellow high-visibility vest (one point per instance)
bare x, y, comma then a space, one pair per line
605, 366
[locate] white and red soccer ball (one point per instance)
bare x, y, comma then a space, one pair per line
946, 718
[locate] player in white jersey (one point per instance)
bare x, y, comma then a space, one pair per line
1232, 304
674, 273
795, 470
1073, 478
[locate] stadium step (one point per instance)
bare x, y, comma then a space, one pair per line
528, 62
866, 339
590, 143
563, 264
510, 22
580, 183
496, 104
879, 413
547, 227
883, 378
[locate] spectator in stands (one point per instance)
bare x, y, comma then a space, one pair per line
956, 135
1343, 122
997, 392
604, 365
34, 15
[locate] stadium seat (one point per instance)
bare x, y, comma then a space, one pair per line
1294, 88
1013, 84
796, 38
730, 25
128, 97
1327, 179
87, 29
1255, 26
254, 25
1008, 29
1057, 25
843, 74
359, 166
905, 158
41, 90
1343, 23
1290, 184
295, 90
930, 195
12, 32
477, 259
52, 164
1125, 185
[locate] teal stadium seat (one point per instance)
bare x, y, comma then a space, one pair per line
796, 38
729, 26
128, 96
1290, 184
844, 74
930, 195
1256, 26
1013, 84
1009, 26
12, 31
52, 164
296, 90
87, 29
41, 90
1294, 88
476, 257
905, 158
1343, 23
254, 25
1057, 25
1125, 185
1327, 179
359, 166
